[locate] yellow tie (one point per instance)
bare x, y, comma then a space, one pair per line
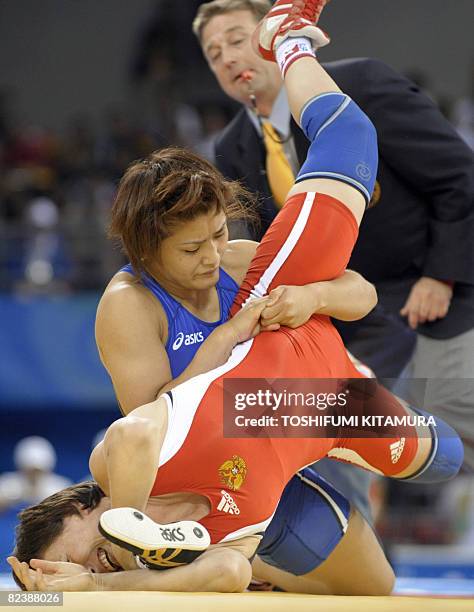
279, 173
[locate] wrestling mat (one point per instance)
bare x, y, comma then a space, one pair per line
252, 602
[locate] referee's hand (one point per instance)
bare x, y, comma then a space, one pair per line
429, 300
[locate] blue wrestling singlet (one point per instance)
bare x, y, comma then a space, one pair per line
186, 332
312, 515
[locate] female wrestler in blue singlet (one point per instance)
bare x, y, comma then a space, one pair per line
173, 299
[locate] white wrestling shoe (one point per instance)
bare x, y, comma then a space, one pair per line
158, 546
296, 18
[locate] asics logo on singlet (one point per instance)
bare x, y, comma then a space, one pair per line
227, 504
396, 450
187, 339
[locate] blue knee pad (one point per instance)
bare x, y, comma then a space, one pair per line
446, 456
343, 143
309, 522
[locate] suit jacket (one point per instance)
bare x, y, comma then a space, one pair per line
423, 221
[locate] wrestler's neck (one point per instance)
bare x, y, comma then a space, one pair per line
177, 507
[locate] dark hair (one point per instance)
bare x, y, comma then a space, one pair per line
208, 10
41, 524
169, 187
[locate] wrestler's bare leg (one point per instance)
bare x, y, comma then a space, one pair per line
357, 566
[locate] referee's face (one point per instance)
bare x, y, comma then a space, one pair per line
226, 43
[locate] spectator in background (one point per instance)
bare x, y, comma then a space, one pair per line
35, 459
45, 261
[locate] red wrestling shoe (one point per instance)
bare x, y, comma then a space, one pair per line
297, 18
157, 546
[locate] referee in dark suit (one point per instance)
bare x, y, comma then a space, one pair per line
416, 241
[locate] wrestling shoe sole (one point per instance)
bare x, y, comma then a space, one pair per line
131, 529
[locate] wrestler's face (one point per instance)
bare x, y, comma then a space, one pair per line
80, 542
225, 41
189, 259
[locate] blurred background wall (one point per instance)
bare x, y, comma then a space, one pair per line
59, 57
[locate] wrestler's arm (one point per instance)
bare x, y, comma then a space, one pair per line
223, 570
220, 569
126, 462
128, 332
347, 298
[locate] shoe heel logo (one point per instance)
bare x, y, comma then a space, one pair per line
172, 535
